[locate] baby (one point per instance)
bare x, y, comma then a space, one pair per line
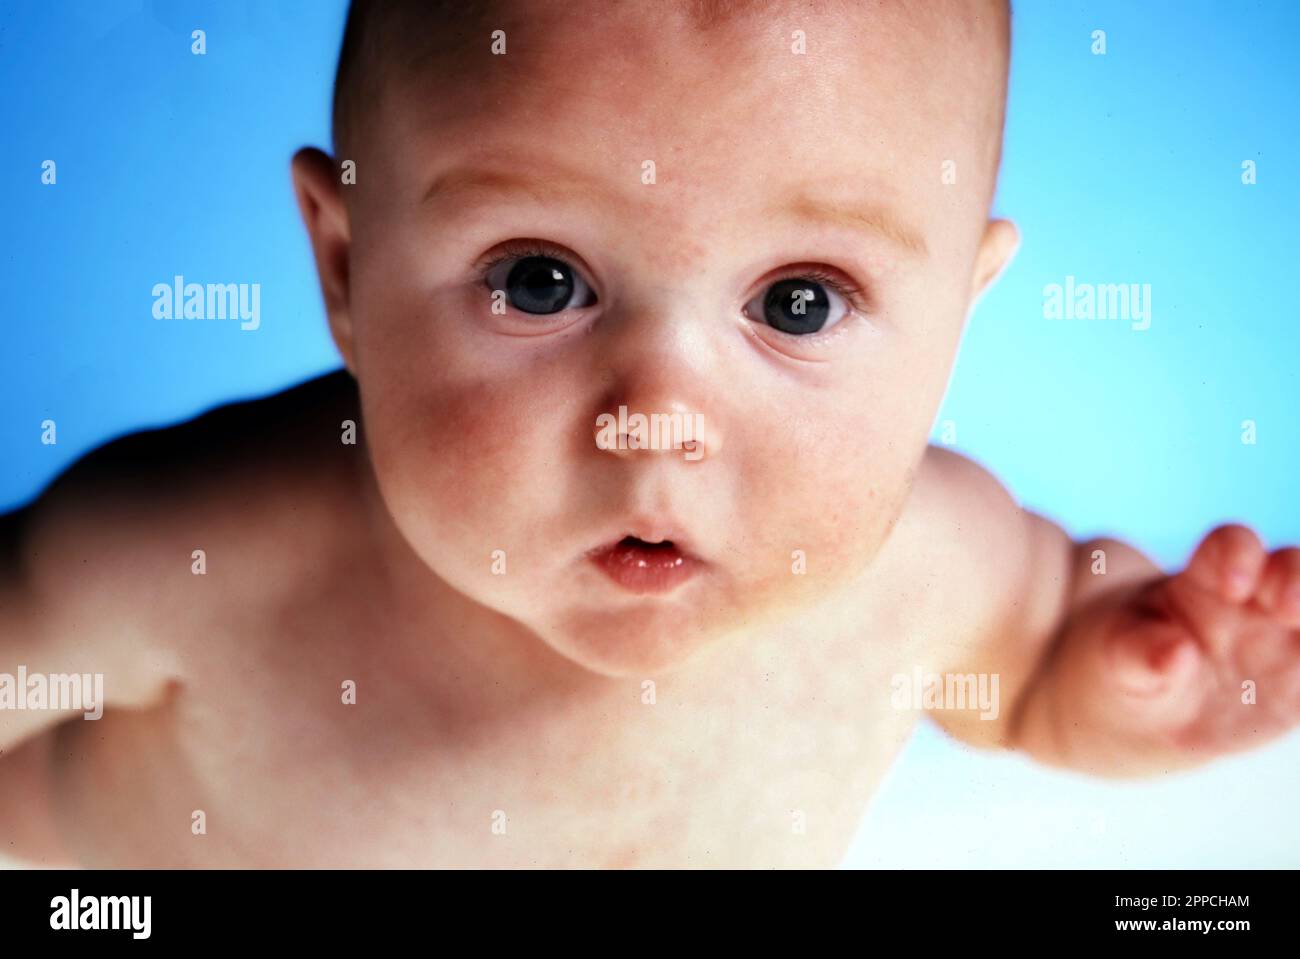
613, 540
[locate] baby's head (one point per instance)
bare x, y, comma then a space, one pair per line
769, 218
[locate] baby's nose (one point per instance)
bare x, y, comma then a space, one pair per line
675, 429
660, 361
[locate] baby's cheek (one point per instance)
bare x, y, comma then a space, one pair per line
844, 532
461, 466
488, 454
813, 520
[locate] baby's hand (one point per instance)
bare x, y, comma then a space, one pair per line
1176, 671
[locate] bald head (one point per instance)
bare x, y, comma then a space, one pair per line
386, 42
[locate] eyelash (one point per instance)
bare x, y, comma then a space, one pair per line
518, 250
853, 294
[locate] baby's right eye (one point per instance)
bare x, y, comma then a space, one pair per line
539, 283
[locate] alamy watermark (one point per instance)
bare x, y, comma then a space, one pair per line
84, 691
179, 300
658, 431
1098, 301
127, 913
942, 691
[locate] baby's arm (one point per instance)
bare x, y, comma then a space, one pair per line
71, 592
1126, 671
54, 621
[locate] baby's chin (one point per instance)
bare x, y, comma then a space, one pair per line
644, 636
639, 642
612, 621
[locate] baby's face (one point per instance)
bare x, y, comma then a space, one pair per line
708, 224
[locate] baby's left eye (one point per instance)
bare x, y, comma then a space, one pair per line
798, 305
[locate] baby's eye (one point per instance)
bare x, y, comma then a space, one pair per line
798, 305
538, 283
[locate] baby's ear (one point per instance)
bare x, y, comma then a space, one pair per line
998, 245
316, 183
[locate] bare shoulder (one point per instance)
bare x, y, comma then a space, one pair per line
155, 532
964, 535
956, 504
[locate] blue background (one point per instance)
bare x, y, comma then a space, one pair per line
1122, 168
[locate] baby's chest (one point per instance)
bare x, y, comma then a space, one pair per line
285, 763
240, 785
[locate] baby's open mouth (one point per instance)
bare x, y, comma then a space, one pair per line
641, 566
645, 544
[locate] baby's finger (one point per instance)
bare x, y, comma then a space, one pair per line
1279, 586
1228, 562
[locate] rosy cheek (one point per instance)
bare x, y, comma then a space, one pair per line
473, 458
478, 424
470, 436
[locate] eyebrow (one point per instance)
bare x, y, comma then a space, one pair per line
871, 218
543, 183
558, 184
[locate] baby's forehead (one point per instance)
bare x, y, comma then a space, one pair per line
884, 58
730, 121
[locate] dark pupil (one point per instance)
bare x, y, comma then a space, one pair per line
796, 306
539, 284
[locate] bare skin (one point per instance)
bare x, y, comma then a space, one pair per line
242, 718
245, 722
522, 696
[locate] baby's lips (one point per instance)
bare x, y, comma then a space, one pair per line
649, 528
